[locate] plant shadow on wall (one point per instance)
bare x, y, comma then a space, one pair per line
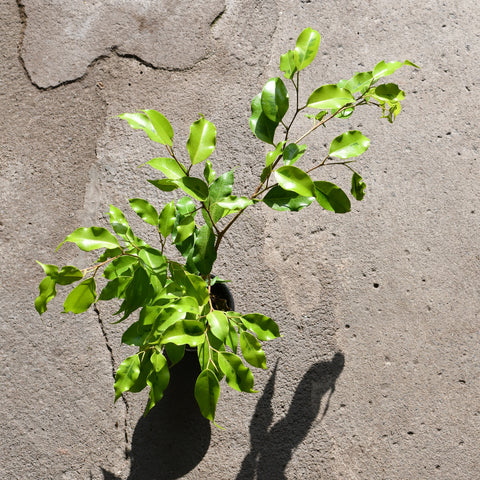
174, 437
272, 446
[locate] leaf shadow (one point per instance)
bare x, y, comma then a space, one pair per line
272, 446
174, 437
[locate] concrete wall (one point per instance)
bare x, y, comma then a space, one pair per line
380, 305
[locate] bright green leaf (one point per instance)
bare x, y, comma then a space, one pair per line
292, 153
285, 200
165, 185
349, 144
262, 127
274, 99
156, 126
185, 332
81, 297
232, 338
296, 180
233, 202
183, 228
202, 140
388, 92
92, 238
383, 69
194, 187
358, 187
47, 293
156, 261
306, 48
127, 374
204, 253
157, 380
359, 82
219, 324
287, 64
329, 96
238, 376
174, 352
166, 219
168, 166
120, 267
144, 210
263, 327
207, 391
274, 154
331, 197
252, 350
209, 172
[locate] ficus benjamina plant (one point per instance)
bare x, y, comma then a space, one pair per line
172, 305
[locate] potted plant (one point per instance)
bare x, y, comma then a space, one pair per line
171, 305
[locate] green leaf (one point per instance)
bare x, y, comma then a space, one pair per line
127, 374
194, 187
383, 69
155, 261
209, 172
174, 352
165, 185
388, 92
222, 187
232, 338
296, 180
358, 187
144, 210
274, 154
331, 197
202, 140
156, 126
118, 221
185, 205
292, 153
114, 288
359, 82
330, 96
252, 350
135, 334
287, 64
285, 200
157, 380
183, 228
263, 327
137, 294
274, 99
145, 370
238, 376
166, 219
219, 324
306, 48
233, 202
47, 293
67, 275
92, 238
207, 391
120, 267
262, 127
349, 144
185, 332
168, 166
204, 253
162, 126
81, 297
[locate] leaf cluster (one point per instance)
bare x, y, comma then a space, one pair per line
170, 305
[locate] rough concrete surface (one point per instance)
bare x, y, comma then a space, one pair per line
380, 306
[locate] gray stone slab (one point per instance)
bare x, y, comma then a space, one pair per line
391, 288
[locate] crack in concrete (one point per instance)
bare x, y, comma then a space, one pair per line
112, 361
112, 50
